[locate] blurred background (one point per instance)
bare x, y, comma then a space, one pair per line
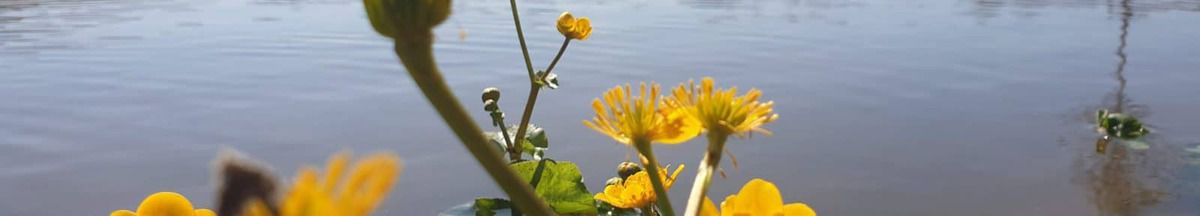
951, 107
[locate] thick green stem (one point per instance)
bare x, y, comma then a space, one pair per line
708, 165
417, 57
651, 164
534, 88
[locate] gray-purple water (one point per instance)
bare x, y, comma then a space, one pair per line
888, 107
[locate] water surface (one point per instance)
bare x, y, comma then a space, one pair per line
888, 107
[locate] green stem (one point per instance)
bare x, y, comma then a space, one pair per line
562, 49
417, 56
521, 38
534, 88
708, 165
651, 165
498, 119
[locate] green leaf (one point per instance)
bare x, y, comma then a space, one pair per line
535, 145
537, 137
489, 206
561, 185
1120, 125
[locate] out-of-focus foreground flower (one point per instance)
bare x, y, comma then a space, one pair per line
165, 204
757, 197
636, 191
358, 194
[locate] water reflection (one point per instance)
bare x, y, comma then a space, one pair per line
1124, 179
26, 26
985, 9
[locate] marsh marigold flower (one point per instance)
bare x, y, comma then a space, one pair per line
358, 194
635, 191
757, 197
721, 110
165, 204
628, 118
574, 28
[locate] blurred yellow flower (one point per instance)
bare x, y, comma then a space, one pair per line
165, 204
573, 28
635, 191
757, 197
630, 120
332, 194
721, 110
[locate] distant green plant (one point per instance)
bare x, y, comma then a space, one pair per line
1119, 125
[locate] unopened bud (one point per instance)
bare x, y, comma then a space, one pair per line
626, 169
491, 93
490, 106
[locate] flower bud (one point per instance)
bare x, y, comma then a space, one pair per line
490, 106
573, 28
627, 169
406, 19
491, 93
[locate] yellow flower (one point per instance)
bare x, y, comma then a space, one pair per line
630, 120
165, 204
573, 28
332, 194
758, 197
636, 191
721, 110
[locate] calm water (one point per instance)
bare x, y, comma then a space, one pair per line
888, 107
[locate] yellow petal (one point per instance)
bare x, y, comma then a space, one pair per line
708, 209
728, 206
798, 209
583, 28
566, 23
333, 170
205, 212
677, 128
759, 197
122, 213
165, 204
256, 208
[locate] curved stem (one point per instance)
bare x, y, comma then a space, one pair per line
417, 57
534, 88
521, 38
708, 165
554, 62
651, 165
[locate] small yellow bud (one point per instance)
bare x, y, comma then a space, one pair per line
574, 28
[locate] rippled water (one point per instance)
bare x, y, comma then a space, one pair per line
888, 107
